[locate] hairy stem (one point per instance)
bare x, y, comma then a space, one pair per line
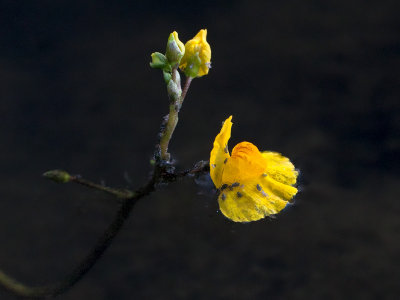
174, 108
169, 130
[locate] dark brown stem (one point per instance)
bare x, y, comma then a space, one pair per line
124, 194
88, 262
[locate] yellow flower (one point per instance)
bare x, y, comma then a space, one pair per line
252, 184
197, 59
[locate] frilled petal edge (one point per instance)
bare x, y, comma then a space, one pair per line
280, 168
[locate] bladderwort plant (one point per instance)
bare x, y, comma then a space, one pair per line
250, 184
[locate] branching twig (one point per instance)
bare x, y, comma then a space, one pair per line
128, 202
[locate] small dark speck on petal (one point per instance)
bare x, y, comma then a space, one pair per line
258, 187
239, 194
223, 197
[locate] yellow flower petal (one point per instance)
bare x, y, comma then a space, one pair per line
219, 153
251, 184
250, 201
283, 191
240, 208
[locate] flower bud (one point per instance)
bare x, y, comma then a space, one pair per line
159, 61
58, 176
167, 76
174, 91
175, 49
196, 61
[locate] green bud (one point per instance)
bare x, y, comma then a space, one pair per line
167, 77
159, 61
58, 176
193, 66
175, 49
174, 91
177, 77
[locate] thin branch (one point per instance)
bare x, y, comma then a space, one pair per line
186, 88
88, 262
169, 130
61, 176
124, 194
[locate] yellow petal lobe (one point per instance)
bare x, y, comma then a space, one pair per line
250, 201
239, 206
254, 199
219, 153
280, 168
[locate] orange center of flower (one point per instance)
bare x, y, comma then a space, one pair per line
246, 162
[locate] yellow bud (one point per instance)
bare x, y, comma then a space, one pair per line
175, 49
197, 59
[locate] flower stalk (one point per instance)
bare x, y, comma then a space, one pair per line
163, 171
193, 59
175, 95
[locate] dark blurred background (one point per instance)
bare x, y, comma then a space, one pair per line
315, 80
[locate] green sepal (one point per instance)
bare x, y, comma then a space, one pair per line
193, 66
